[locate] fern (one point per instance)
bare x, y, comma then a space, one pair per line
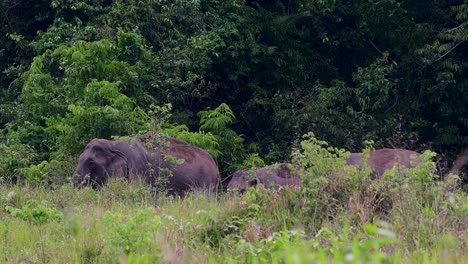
201, 139
216, 120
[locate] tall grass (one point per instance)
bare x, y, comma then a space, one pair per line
340, 215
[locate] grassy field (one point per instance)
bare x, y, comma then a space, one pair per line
126, 223
339, 215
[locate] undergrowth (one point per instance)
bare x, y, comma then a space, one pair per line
340, 215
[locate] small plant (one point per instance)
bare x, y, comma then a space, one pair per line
36, 212
231, 145
230, 226
328, 182
214, 136
37, 174
15, 156
253, 161
131, 233
294, 246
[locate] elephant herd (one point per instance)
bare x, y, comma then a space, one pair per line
184, 166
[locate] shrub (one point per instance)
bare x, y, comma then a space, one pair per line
328, 183
420, 207
131, 233
215, 136
36, 212
14, 157
294, 246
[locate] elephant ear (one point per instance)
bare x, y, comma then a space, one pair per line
118, 165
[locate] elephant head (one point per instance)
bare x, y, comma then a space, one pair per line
272, 176
241, 180
277, 175
100, 160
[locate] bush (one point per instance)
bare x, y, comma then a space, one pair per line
418, 205
125, 234
14, 157
328, 183
36, 212
294, 246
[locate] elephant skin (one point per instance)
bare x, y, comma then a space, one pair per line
460, 162
241, 180
460, 166
382, 160
273, 176
193, 168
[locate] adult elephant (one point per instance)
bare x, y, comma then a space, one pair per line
274, 176
180, 165
381, 160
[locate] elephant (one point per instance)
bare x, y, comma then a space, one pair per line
180, 164
381, 160
241, 180
274, 176
460, 164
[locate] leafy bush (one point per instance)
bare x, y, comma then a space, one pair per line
36, 212
15, 157
37, 174
72, 94
294, 246
328, 182
207, 141
332, 189
104, 112
131, 234
215, 136
78, 92
221, 232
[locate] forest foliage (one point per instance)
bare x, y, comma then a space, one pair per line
244, 79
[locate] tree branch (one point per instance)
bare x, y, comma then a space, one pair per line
450, 29
382, 53
446, 53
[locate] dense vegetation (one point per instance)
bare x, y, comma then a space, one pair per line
245, 80
393, 72
334, 218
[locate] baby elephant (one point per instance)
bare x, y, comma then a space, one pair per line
273, 176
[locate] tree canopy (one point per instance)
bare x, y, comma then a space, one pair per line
249, 77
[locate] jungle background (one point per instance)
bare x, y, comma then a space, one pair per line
245, 80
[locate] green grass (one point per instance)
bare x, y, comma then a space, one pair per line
126, 223
339, 215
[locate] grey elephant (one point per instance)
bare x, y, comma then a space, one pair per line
281, 174
180, 164
381, 160
274, 176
